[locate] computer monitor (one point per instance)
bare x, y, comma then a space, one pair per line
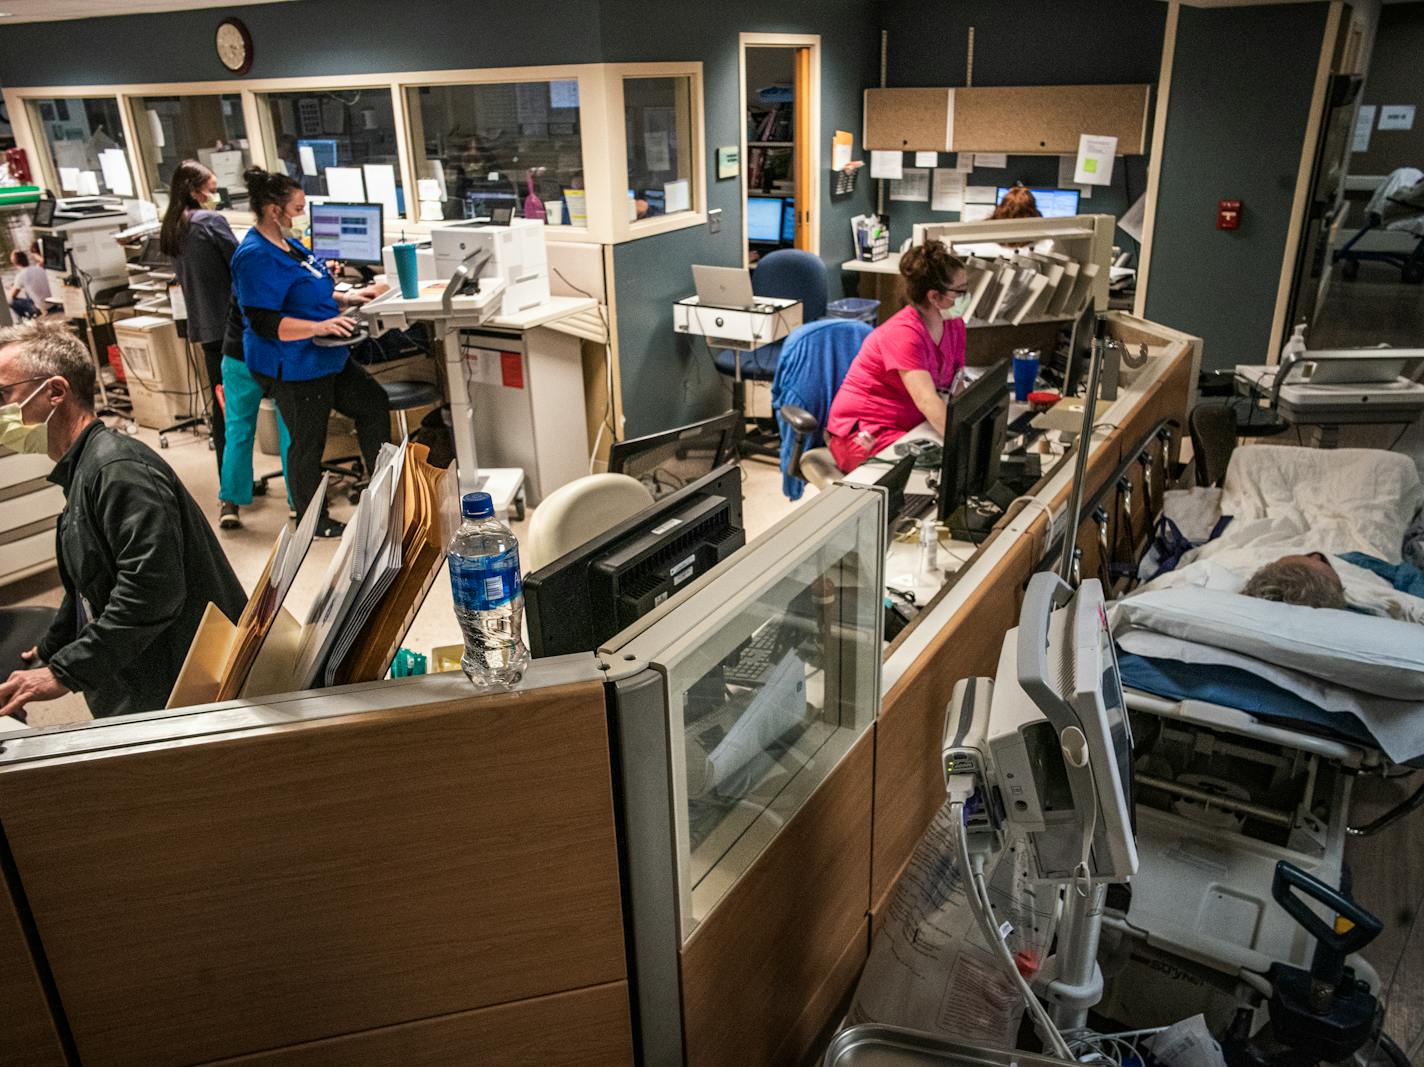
973, 438
764, 222
52, 251
583, 599
1052, 203
483, 205
351, 233
1080, 352
1059, 728
788, 223
151, 255
44, 211
667, 461
323, 154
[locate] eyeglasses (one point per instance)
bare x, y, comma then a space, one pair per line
5, 389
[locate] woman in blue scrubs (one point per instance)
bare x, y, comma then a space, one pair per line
288, 299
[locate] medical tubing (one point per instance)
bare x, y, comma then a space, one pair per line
982, 907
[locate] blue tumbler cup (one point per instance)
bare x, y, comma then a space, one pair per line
406, 270
1025, 373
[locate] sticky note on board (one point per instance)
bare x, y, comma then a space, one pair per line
1095, 160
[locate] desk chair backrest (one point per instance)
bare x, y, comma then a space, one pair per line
792, 274
1213, 431
814, 361
579, 511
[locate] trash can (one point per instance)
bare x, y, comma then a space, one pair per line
854, 307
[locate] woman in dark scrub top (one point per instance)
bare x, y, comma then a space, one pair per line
289, 299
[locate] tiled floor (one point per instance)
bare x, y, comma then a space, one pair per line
247, 549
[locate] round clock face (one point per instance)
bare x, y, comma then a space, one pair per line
234, 46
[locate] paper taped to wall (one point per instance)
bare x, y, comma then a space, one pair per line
886, 165
1095, 160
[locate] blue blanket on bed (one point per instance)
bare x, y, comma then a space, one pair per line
1404, 576
1232, 687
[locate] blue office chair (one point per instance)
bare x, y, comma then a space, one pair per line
814, 361
790, 274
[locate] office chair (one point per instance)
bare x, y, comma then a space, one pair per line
814, 361
1213, 431
787, 273
402, 396
575, 513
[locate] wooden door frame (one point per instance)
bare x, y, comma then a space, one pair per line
811, 152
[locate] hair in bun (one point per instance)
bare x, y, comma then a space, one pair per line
264, 187
930, 266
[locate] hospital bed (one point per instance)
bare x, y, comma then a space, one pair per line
1234, 774
1397, 207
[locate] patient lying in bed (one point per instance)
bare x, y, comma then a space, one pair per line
1308, 528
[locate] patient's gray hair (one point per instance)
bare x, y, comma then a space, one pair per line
1293, 582
49, 348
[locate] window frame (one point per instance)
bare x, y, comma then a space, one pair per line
133, 107
38, 150
605, 164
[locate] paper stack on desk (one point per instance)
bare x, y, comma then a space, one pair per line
1023, 285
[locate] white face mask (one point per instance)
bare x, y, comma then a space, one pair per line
211, 201
295, 226
30, 439
957, 309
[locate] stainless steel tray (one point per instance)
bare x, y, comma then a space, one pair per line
890, 1046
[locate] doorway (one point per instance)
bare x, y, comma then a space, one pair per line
780, 108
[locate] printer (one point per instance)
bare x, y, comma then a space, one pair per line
80, 232
516, 252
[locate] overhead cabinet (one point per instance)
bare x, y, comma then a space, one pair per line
1016, 120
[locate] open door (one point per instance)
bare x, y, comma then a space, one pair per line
780, 82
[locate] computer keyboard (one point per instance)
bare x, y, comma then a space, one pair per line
916, 505
757, 657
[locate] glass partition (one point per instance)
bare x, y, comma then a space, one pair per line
210, 129
84, 139
514, 145
657, 116
769, 672
339, 143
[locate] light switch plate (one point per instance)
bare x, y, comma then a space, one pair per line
714, 220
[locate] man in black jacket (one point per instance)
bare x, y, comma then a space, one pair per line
138, 561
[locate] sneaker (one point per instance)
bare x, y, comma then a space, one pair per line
291, 512
227, 517
328, 528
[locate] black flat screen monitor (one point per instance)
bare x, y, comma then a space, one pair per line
44, 211
1080, 352
583, 599
667, 461
973, 439
52, 251
350, 233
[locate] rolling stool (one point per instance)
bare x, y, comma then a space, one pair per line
402, 396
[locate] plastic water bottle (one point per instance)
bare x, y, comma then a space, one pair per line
489, 597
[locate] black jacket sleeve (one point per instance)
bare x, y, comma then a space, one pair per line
141, 517
264, 322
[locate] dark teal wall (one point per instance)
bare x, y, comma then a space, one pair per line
669, 379
1068, 42
305, 37
1242, 79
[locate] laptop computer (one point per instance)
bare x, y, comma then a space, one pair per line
724, 287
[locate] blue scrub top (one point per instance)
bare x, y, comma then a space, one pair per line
266, 277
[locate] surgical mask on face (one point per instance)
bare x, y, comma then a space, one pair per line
30, 439
211, 201
295, 226
957, 309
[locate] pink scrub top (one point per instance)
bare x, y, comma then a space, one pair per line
873, 397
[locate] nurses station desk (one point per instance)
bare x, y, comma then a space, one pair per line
596, 863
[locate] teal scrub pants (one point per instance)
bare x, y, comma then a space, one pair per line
242, 397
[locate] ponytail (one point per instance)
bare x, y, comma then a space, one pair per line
929, 267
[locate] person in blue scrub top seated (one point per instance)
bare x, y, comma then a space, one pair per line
288, 299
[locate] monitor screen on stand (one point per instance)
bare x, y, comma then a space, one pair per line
974, 426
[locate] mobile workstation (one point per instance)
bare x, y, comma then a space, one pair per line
330, 876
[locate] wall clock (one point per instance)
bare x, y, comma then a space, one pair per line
234, 46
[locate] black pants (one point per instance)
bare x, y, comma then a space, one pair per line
306, 406
212, 357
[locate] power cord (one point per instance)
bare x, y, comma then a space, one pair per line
980, 903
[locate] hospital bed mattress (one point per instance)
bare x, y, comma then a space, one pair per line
1233, 688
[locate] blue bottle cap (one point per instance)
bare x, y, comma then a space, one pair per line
476, 506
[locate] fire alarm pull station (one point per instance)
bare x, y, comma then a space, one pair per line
1228, 214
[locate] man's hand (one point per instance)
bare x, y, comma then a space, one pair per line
25, 687
31, 654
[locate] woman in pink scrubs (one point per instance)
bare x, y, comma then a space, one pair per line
901, 369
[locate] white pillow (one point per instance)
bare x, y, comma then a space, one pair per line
1340, 500
1375, 655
